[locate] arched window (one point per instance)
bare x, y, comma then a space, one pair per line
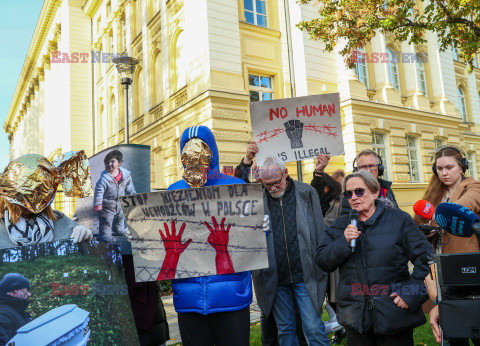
112, 114
180, 61
361, 69
157, 80
422, 82
139, 95
138, 18
462, 104
99, 131
393, 69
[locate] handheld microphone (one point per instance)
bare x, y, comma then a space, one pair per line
457, 220
353, 221
424, 209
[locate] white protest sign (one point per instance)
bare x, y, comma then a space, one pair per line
298, 128
196, 232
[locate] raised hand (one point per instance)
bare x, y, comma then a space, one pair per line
218, 238
173, 248
322, 162
252, 150
294, 131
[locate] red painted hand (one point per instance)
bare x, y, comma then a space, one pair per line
218, 238
174, 248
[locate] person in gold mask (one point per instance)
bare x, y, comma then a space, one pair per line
212, 310
27, 188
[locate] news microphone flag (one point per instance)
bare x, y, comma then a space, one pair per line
424, 209
457, 220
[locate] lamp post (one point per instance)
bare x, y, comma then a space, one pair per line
126, 66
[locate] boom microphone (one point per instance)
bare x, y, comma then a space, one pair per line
457, 220
353, 221
424, 209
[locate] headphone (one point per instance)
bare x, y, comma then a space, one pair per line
463, 161
381, 168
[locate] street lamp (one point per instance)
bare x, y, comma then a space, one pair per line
125, 66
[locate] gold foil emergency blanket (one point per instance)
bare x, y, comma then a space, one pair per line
196, 158
31, 180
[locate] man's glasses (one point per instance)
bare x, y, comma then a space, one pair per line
368, 167
358, 192
275, 184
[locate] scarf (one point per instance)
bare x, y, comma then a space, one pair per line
38, 229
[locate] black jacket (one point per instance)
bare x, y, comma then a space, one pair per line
388, 241
384, 184
242, 171
12, 316
283, 217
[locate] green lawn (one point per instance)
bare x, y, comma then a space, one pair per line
422, 335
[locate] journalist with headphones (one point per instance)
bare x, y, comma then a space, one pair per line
449, 184
368, 160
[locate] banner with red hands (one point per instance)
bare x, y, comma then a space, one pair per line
196, 232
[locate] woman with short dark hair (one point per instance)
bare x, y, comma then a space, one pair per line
378, 300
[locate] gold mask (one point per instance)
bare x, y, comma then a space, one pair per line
196, 158
31, 180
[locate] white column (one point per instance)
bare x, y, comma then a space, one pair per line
441, 73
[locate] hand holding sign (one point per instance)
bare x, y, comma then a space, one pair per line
174, 248
218, 238
322, 162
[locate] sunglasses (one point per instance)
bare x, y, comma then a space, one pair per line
358, 192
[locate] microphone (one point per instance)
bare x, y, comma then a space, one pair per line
424, 209
457, 220
353, 221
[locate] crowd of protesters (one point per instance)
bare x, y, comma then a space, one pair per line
341, 240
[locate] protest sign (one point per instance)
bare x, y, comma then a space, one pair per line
196, 232
73, 293
102, 212
298, 128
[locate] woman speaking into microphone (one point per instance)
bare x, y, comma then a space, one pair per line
379, 301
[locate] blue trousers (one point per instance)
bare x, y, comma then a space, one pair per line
284, 313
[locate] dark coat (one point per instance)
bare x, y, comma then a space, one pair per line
388, 241
310, 228
12, 316
384, 184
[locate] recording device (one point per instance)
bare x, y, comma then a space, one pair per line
353, 221
457, 220
458, 288
424, 209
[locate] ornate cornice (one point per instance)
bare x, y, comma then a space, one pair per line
42, 28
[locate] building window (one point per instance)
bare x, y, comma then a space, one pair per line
462, 105
361, 69
472, 165
438, 143
422, 83
255, 12
455, 54
112, 44
261, 88
124, 33
413, 168
99, 24
379, 146
393, 69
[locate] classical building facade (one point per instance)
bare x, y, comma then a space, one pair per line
203, 61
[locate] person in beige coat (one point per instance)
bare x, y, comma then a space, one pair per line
449, 184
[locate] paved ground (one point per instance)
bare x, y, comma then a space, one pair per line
173, 322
